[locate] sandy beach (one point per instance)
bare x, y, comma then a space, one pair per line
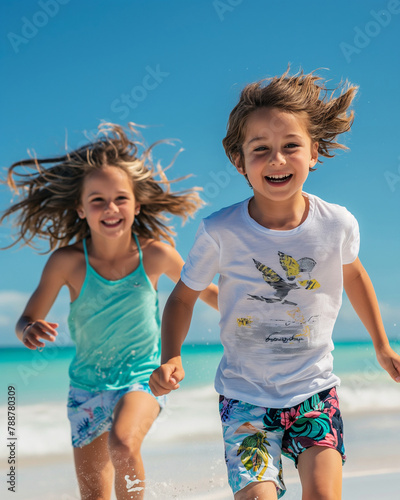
185, 467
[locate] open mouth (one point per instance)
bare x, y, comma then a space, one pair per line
111, 223
278, 179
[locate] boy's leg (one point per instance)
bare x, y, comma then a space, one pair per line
133, 417
252, 450
265, 490
320, 470
94, 469
314, 440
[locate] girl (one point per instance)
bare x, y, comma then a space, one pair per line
103, 196
283, 257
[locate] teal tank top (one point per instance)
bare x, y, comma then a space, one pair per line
116, 328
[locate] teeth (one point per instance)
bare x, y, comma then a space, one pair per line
110, 222
277, 178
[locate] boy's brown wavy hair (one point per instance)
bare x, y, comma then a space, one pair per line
305, 94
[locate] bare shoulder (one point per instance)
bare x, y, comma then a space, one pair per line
67, 256
64, 261
156, 248
160, 258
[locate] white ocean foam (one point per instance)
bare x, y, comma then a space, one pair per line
40, 429
44, 429
191, 415
376, 398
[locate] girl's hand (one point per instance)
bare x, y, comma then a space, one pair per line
37, 330
390, 361
166, 378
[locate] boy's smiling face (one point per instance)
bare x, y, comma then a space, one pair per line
277, 154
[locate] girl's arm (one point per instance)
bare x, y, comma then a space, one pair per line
209, 295
31, 328
161, 258
175, 326
361, 294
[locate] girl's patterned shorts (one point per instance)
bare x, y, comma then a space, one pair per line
91, 413
255, 437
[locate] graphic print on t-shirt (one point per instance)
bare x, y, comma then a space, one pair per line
295, 328
294, 272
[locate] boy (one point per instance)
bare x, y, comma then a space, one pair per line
283, 257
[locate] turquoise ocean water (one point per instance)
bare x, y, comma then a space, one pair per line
43, 376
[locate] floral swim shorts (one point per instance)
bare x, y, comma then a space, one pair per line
91, 413
255, 437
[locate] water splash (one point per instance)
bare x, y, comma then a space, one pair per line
131, 484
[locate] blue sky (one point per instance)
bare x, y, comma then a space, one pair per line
178, 67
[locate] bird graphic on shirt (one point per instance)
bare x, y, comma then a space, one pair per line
293, 269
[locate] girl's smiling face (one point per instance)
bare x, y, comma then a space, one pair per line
108, 202
277, 154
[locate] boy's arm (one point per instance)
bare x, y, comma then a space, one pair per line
361, 294
175, 326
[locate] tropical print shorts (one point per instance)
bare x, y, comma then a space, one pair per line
256, 437
91, 413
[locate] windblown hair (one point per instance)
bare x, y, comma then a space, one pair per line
50, 195
307, 95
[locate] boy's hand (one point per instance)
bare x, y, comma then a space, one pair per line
166, 378
37, 330
390, 361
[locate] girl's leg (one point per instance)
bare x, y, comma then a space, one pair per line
265, 490
94, 469
134, 415
320, 470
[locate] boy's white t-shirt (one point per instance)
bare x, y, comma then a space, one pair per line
279, 296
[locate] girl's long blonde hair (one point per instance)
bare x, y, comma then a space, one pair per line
50, 195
